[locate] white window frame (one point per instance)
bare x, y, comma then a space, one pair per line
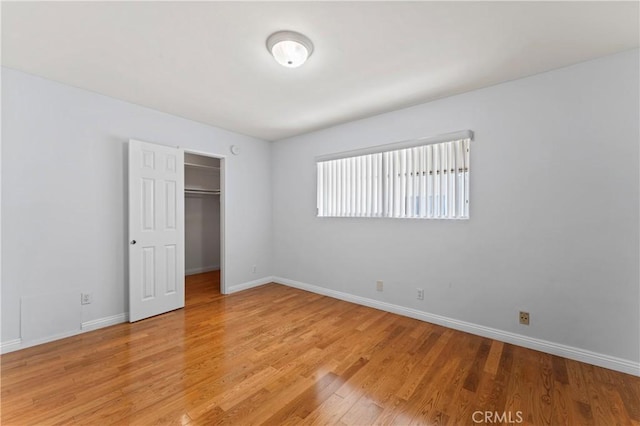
426, 178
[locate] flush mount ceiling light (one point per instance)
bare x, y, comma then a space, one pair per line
289, 48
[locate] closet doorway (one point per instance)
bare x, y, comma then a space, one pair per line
204, 216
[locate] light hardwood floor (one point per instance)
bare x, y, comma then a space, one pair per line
278, 355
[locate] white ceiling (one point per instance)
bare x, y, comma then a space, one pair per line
207, 61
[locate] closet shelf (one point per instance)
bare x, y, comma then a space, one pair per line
201, 166
202, 191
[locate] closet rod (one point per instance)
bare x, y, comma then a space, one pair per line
202, 191
204, 166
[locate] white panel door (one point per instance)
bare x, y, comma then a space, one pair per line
156, 229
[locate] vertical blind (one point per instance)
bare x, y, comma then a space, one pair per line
426, 181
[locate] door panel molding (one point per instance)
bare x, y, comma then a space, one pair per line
156, 229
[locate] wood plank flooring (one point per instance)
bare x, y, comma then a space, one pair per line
282, 356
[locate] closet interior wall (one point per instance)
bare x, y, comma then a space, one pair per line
202, 214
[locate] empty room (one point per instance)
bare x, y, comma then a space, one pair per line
358, 213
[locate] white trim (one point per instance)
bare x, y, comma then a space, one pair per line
17, 344
449, 137
202, 269
24, 345
601, 360
105, 322
250, 284
8, 346
204, 153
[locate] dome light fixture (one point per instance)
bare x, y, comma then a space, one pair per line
289, 48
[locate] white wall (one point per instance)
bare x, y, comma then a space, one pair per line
554, 212
64, 186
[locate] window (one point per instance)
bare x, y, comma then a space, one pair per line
425, 179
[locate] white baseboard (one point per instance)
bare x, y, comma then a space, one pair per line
6, 347
250, 284
202, 269
10, 346
601, 360
17, 344
105, 322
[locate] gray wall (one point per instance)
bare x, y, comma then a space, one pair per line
554, 211
64, 212
202, 233
554, 227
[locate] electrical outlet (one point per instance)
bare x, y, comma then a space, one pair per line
420, 294
254, 269
524, 318
86, 298
379, 285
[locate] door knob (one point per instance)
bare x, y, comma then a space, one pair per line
133, 242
